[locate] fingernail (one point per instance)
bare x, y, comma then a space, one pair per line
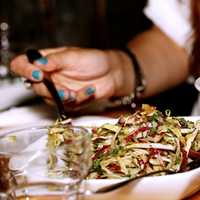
90, 91
61, 94
36, 74
71, 97
42, 61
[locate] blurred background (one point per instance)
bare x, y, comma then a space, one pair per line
87, 23
44, 23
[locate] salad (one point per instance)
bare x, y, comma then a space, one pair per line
144, 142
141, 143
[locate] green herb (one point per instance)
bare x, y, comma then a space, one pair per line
114, 152
96, 166
154, 126
155, 117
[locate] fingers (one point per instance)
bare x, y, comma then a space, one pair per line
52, 60
98, 90
49, 101
85, 93
64, 93
41, 90
34, 72
47, 65
105, 87
101, 88
48, 51
83, 90
22, 67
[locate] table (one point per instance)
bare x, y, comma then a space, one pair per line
195, 197
109, 113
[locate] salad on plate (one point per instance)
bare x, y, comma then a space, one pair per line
138, 144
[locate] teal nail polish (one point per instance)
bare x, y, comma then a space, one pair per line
61, 94
90, 91
36, 74
42, 61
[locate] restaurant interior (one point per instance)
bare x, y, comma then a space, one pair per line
123, 148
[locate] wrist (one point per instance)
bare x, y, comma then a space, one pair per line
140, 81
122, 71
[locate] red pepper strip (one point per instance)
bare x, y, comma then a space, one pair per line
184, 160
194, 154
142, 163
67, 141
153, 152
99, 177
105, 149
115, 168
162, 133
143, 140
94, 130
135, 133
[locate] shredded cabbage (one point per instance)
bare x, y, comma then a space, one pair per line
137, 144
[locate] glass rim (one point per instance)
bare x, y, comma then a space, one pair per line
30, 127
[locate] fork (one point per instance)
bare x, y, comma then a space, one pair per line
33, 55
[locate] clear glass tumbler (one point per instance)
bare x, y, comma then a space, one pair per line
44, 161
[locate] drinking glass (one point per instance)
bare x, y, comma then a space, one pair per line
38, 162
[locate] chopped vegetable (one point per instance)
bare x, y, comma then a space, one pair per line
137, 144
145, 141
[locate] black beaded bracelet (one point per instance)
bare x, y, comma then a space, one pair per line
140, 84
140, 81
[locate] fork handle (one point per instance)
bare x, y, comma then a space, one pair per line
33, 55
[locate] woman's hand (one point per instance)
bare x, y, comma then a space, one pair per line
78, 73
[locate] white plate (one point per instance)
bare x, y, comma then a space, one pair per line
170, 187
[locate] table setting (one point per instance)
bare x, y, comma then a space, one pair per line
153, 187
24, 140
35, 171
77, 113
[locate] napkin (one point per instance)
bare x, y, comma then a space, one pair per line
14, 93
32, 114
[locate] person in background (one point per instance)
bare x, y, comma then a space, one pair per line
162, 53
180, 20
195, 55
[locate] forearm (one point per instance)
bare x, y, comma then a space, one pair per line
164, 63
